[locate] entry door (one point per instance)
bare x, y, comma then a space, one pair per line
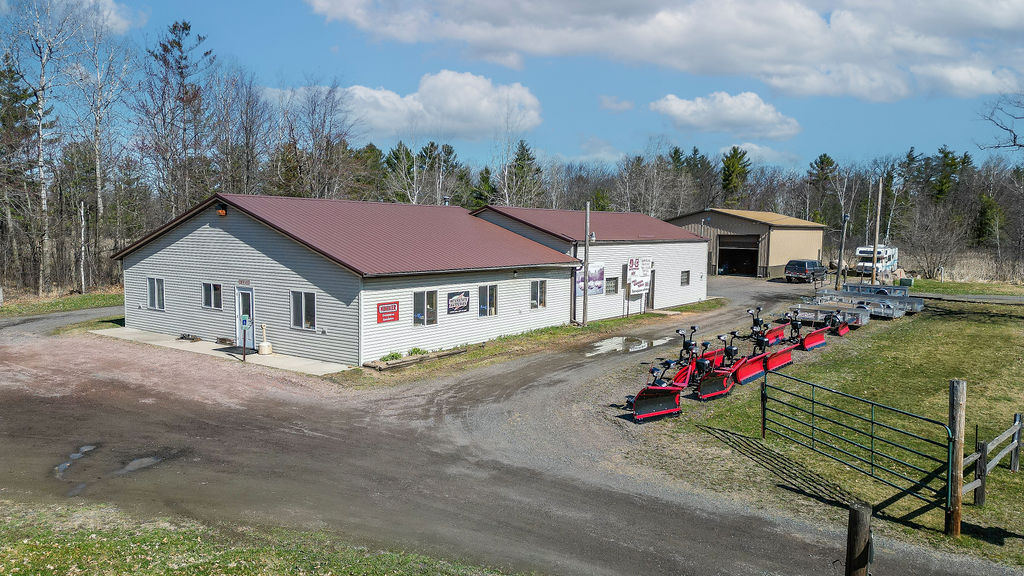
650, 293
244, 307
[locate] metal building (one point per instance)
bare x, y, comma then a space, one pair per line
752, 242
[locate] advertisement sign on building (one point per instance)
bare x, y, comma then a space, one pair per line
458, 302
595, 281
638, 275
387, 312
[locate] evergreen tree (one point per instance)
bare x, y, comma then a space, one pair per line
735, 169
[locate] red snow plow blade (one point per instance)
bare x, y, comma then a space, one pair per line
656, 401
715, 356
717, 383
780, 358
751, 369
776, 334
814, 339
842, 330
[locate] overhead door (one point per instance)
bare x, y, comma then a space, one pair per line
737, 254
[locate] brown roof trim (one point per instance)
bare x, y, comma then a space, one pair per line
524, 222
812, 225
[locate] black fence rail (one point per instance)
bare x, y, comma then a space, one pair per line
905, 451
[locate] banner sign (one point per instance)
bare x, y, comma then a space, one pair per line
595, 281
638, 275
387, 312
458, 302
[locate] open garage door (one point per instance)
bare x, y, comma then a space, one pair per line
737, 254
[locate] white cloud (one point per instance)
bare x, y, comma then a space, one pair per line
452, 104
764, 154
743, 115
614, 104
119, 17
965, 80
870, 49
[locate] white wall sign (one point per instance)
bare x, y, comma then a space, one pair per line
595, 282
638, 275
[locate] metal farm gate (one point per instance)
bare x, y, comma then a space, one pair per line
910, 453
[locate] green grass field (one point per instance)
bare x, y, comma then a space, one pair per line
88, 539
907, 364
957, 288
33, 306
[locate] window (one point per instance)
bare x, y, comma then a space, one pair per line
684, 278
489, 300
424, 308
156, 293
611, 285
539, 294
211, 296
304, 310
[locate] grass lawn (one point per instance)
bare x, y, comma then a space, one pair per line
88, 539
116, 321
907, 364
994, 288
504, 347
33, 306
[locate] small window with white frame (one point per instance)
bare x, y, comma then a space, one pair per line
303, 310
424, 308
212, 296
155, 293
611, 285
488, 300
539, 294
684, 278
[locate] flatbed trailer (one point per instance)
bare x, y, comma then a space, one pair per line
880, 289
817, 313
903, 304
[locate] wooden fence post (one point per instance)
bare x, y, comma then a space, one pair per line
981, 472
858, 540
957, 403
1015, 454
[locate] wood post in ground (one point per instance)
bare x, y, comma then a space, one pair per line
1015, 454
981, 472
957, 403
858, 540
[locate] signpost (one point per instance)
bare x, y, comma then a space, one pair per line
245, 326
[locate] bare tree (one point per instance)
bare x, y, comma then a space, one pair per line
43, 32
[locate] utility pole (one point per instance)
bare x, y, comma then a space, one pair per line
842, 250
586, 263
878, 219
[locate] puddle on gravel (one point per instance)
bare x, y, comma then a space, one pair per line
61, 468
139, 464
626, 344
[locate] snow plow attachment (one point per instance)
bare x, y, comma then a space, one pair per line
717, 383
814, 339
751, 369
842, 329
776, 334
780, 358
654, 401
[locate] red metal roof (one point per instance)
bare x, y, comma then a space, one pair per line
381, 239
606, 226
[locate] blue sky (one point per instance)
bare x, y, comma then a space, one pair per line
596, 79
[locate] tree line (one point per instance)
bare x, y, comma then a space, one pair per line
101, 141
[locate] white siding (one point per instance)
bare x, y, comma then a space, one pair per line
670, 259
514, 312
526, 231
224, 250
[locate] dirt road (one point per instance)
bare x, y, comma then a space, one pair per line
521, 465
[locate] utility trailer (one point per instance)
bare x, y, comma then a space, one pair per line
818, 313
877, 289
901, 304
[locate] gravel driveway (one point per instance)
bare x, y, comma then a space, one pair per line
519, 465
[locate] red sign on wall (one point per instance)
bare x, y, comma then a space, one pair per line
387, 312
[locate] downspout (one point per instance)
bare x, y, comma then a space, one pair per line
359, 325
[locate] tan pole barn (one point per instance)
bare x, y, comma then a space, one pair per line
753, 242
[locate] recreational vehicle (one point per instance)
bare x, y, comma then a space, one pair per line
888, 259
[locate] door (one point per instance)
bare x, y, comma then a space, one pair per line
244, 311
650, 294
